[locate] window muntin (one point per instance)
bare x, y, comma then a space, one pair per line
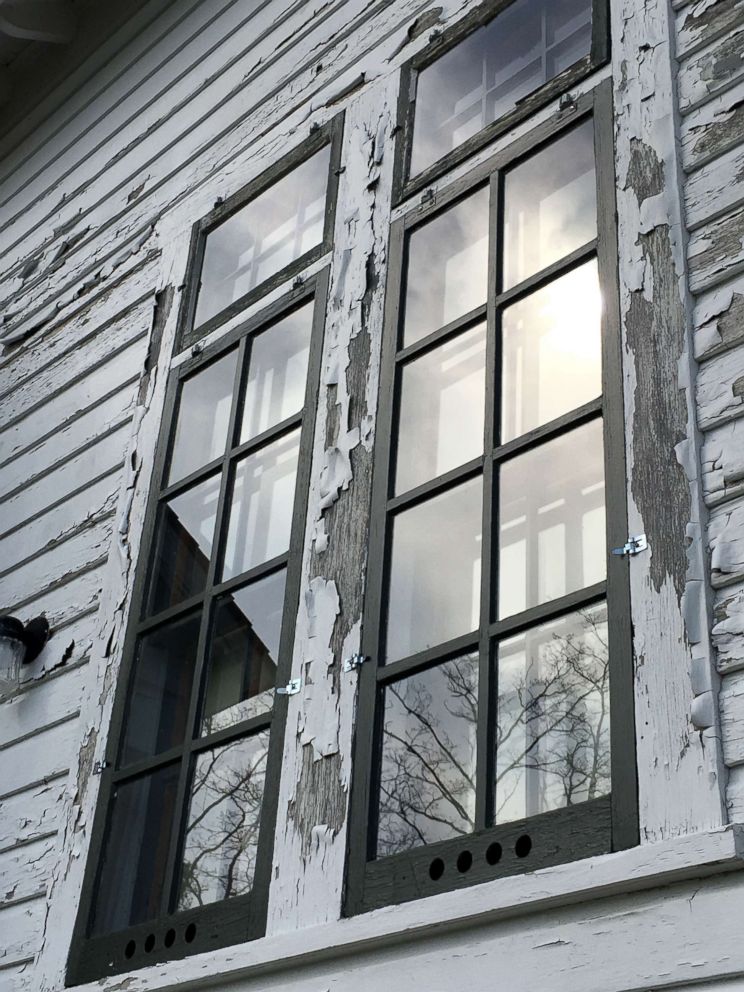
192, 793
535, 594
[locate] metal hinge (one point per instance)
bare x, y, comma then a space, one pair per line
355, 661
99, 766
633, 546
290, 689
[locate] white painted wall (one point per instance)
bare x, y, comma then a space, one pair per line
97, 208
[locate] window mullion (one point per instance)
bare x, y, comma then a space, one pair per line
179, 821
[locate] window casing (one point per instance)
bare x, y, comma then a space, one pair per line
484, 697
502, 95
182, 843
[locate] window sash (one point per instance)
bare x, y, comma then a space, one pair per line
405, 185
241, 917
609, 823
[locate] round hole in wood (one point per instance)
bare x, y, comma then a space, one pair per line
190, 933
436, 869
493, 853
523, 846
130, 949
464, 861
149, 942
170, 938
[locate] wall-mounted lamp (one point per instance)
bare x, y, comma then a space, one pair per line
19, 644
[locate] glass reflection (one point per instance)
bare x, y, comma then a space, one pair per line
183, 546
552, 352
219, 857
277, 371
245, 647
550, 205
132, 874
553, 722
442, 400
427, 775
262, 502
490, 71
158, 704
552, 513
274, 229
203, 417
447, 267
434, 590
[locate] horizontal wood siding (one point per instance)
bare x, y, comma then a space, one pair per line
710, 48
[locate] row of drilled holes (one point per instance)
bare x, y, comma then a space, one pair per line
168, 941
522, 848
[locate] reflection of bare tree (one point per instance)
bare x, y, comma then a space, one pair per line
552, 735
224, 818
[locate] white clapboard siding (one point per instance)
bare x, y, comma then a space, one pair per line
32, 814
11, 976
24, 871
716, 188
718, 398
65, 604
714, 69
47, 755
716, 251
43, 704
21, 927
723, 462
713, 128
702, 21
728, 628
719, 319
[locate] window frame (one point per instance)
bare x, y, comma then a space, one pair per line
331, 134
239, 918
405, 185
590, 828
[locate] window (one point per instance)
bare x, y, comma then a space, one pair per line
495, 719
181, 849
504, 61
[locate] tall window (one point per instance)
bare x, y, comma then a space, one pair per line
495, 719
182, 845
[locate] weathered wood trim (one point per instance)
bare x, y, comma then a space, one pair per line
681, 778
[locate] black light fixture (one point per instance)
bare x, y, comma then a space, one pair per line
20, 644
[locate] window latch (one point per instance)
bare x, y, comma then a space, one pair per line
99, 766
290, 689
354, 661
633, 546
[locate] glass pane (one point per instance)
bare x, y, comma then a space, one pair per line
552, 515
441, 410
158, 704
203, 417
183, 546
274, 229
550, 205
427, 775
434, 592
553, 723
245, 648
262, 501
552, 352
277, 371
490, 71
132, 874
447, 267
219, 857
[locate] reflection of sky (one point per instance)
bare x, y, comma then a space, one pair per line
447, 267
484, 77
564, 515
203, 416
277, 371
441, 409
550, 205
434, 589
278, 226
195, 511
553, 740
428, 756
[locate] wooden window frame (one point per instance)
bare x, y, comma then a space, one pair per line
591, 828
238, 918
329, 134
405, 185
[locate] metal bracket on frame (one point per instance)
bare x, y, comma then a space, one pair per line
99, 767
290, 689
633, 546
354, 661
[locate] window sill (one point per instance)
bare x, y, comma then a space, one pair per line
645, 867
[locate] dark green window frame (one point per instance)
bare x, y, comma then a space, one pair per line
176, 934
405, 185
561, 835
